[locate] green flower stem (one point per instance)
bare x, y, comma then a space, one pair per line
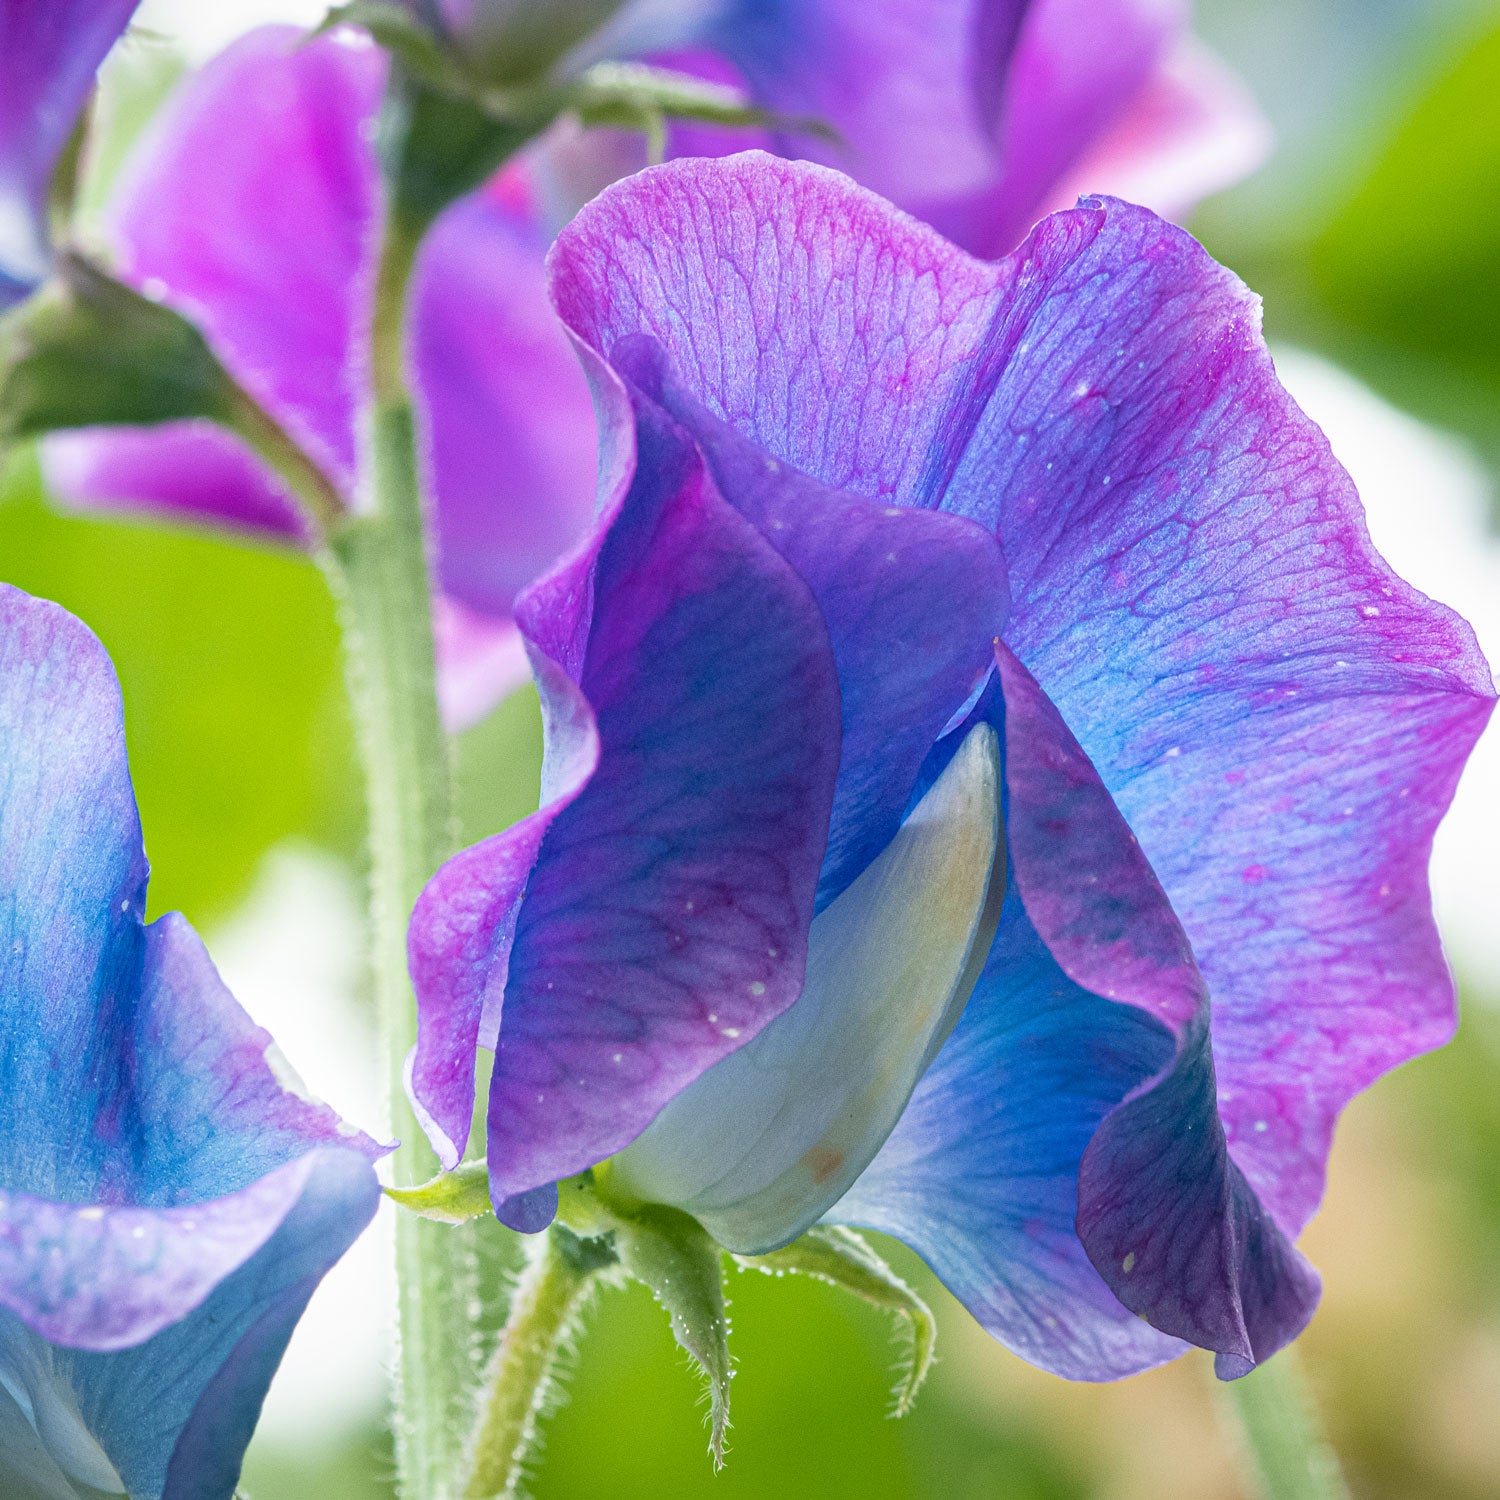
378, 567
398, 258
1289, 1457
547, 1303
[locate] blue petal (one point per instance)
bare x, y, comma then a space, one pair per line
166, 1204
980, 1176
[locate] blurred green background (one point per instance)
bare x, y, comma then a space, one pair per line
1374, 235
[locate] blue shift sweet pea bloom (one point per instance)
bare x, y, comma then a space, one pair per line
990, 774
167, 1202
49, 53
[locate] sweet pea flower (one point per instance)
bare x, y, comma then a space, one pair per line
990, 774
253, 204
167, 1202
49, 53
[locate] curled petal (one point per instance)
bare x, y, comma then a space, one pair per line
1079, 1090
95, 1277
980, 1175
167, 1202
1166, 1217
693, 742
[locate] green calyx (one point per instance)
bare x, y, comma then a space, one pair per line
601, 1237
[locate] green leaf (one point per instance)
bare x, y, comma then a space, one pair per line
88, 350
673, 1255
845, 1259
450, 1197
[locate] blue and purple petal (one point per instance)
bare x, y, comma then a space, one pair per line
167, 1205
1215, 661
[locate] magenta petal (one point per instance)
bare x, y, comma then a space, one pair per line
252, 203
189, 471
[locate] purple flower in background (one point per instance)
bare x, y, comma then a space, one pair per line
978, 116
167, 1205
253, 205
990, 774
49, 53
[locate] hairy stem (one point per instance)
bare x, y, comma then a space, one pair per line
547, 1303
378, 566
1289, 1457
